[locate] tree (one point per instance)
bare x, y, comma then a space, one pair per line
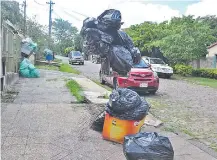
78, 43
64, 34
181, 40
10, 11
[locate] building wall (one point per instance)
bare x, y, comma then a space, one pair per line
10, 50
212, 51
204, 63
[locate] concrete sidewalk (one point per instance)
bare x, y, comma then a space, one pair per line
44, 124
184, 149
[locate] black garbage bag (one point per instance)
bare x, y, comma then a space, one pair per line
109, 19
121, 60
136, 114
89, 22
147, 146
128, 44
96, 42
98, 123
123, 99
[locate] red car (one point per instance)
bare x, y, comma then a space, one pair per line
140, 79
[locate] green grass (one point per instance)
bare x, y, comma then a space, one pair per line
47, 67
58, 60
76, 90
63, 68
67, 68
199, 80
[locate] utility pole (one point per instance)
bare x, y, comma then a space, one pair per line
24, 28
50, 15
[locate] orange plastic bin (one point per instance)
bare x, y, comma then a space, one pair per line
115, 129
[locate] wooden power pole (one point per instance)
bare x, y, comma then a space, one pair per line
50, 15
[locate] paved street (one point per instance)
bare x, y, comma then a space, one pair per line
183, 106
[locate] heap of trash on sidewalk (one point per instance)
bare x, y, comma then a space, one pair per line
27, 69
125, 112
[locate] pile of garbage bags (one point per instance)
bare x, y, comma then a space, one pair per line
102, 36
28, 46
124, 104
28, 70
147, 146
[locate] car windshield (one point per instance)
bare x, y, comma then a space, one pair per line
142, 64
76, 54
156, 61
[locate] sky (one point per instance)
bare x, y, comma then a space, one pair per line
133, 11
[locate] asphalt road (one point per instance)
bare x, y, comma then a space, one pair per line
89, 69
183, 106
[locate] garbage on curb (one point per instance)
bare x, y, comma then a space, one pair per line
126, 104
48, 52
147, 146
28, 46
28, 70
116, 129
99, 122
124, 115
48, 55
102, 36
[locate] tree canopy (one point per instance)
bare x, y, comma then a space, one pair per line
181, 40
64, 33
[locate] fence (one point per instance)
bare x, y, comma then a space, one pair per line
208, 62
10, 49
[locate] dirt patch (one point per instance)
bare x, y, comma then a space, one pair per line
9, 96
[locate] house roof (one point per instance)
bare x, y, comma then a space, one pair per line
212, 45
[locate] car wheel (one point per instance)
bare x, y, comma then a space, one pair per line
115, 83
102, 81
153, 92
82, 63
168, 76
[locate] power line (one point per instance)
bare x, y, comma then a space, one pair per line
74, 11
39, 3
72, 16
57, 14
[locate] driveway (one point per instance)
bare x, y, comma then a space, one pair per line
181, 105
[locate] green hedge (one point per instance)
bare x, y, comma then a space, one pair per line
190, 71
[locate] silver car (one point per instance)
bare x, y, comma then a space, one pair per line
76, 57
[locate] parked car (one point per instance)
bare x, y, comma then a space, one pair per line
159, 66
140, 79
76, 57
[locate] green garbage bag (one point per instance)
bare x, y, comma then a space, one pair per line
28, 70
28, 47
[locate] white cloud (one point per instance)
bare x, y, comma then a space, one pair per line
136, 13
203, 8
132, 12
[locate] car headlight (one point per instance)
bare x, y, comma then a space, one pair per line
155, 75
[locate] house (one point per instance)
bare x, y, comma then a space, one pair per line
212, 50
210, 61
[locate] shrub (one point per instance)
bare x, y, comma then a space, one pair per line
183, 70
189, 71
205, 72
